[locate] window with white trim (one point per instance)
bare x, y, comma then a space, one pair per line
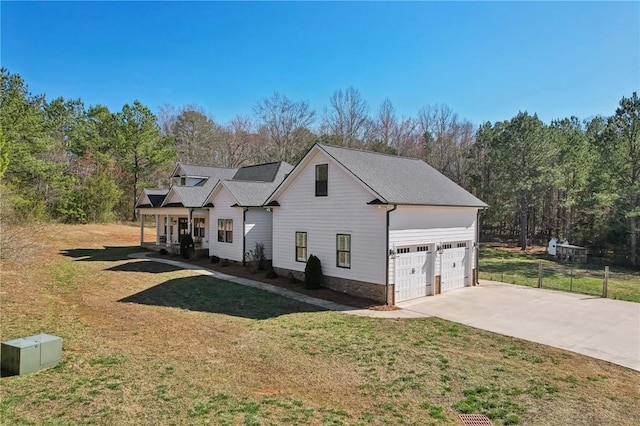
225, 230
198, 227
301, 246
343, 248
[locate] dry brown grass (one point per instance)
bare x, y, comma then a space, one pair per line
222, 354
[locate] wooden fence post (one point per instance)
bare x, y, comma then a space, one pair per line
571, 284
502, 269
605, 281
540, 274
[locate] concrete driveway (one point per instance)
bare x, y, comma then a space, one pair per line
600, 328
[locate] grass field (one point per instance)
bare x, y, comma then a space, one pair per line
147, 344
515, 267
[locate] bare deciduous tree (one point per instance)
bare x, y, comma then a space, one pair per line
447, 141
167, 115
347, 118
239, 145
281, 122
196, 136
387, 122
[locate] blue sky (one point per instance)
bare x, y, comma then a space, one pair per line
487, 61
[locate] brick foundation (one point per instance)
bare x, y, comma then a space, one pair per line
474, 277
362, 289
438, 279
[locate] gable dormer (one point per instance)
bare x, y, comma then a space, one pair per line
187, 175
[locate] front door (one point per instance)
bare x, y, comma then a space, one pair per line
183, 227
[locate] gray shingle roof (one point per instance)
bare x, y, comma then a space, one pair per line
255, 193
155, 196
191, 170
195, 196
259, 173
402, 180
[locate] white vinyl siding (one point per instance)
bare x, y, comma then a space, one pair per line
172, 197
223, 210
419, 225
343, 211
258, 229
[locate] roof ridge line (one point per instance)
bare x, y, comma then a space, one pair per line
370, 152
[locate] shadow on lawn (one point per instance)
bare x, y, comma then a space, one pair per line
144, 266
207, 294
104, 254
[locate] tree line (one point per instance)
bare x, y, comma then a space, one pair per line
578, 179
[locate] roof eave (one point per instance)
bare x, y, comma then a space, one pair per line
402, 203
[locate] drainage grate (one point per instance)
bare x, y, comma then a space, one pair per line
475, 420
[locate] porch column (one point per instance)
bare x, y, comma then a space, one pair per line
141, 229
189, 220
157, 229
167, 237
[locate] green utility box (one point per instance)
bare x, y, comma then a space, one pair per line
28, 354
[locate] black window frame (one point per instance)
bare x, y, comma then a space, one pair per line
298, 259
225, 235
322, 186
199, 231
347, 251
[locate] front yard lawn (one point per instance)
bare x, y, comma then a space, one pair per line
156, 345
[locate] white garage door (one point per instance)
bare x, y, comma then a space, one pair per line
413, 272
455, 262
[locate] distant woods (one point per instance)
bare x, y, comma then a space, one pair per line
579, 179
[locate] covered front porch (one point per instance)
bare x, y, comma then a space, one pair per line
171, 224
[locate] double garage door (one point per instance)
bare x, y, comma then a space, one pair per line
415, 268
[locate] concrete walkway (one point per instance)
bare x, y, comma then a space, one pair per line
325, 304
600, 328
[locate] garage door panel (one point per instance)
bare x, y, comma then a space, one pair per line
413, 273
454, 268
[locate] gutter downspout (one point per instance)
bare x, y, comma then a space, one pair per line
386, 251
244, 238
477, 248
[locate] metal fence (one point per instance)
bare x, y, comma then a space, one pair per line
549, 275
